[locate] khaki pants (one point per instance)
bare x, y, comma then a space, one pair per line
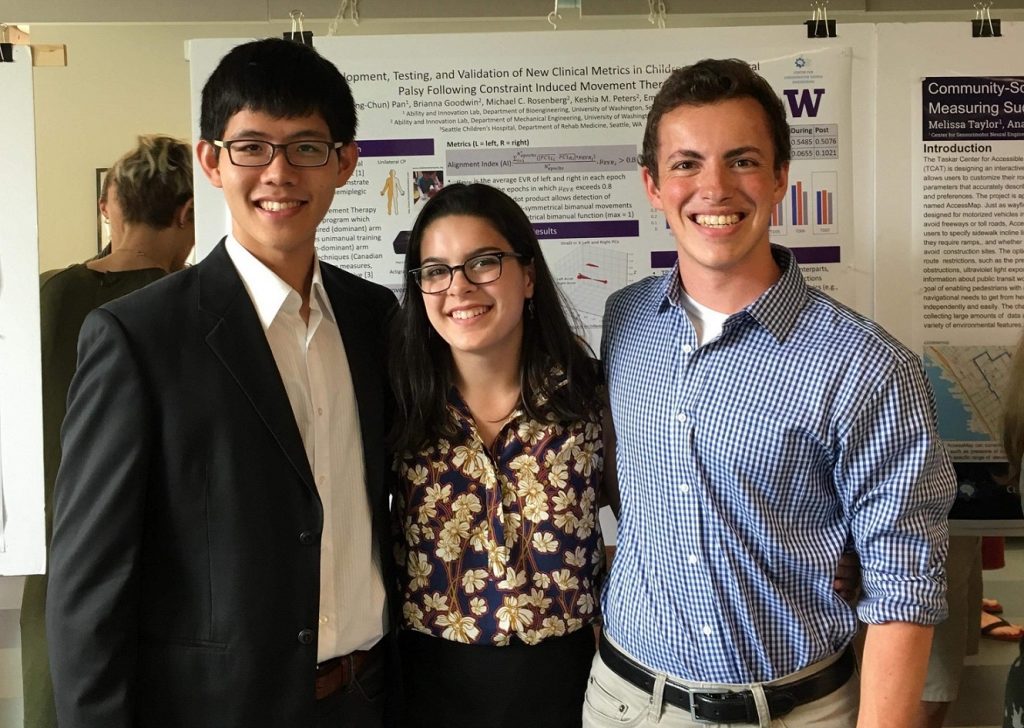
612, 702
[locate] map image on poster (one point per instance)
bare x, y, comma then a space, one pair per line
968, 382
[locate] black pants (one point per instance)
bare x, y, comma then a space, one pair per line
455, 685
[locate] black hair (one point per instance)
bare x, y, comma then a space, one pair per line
559, 378
708, 82
281, 78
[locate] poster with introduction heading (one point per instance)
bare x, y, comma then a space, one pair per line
556, 121
948, 277
970, 228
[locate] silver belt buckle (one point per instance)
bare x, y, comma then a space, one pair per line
711, 696
693, 704
693, 708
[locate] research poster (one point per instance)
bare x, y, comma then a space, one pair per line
969, 168
556, 120
560, 129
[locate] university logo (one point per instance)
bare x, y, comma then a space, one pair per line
803, 101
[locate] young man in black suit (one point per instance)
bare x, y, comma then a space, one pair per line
220, 551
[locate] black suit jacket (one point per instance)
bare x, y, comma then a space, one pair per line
185, 566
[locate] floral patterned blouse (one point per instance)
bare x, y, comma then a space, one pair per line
506, 543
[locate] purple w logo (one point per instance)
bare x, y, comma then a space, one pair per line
800, 101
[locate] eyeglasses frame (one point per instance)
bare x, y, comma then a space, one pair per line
226, 144
499, 254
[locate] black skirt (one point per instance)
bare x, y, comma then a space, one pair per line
453, 685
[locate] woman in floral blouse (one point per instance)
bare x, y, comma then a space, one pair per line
500, 441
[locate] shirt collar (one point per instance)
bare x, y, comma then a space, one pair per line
270, 295
776, 309
318, 294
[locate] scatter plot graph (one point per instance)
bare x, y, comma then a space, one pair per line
587, 275
591, 268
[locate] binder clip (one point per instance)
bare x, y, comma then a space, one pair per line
6, 49
352, 5
819, 26
657, 14
983, 26
298, 34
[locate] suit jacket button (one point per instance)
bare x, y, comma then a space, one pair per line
306, 637
307, 538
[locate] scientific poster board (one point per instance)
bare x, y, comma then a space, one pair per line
950, 250
556, 120
22, 529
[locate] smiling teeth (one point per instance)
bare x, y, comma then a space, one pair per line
716, 220
468, 313
272, 206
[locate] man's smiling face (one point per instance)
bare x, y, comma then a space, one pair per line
717, 184
276, 209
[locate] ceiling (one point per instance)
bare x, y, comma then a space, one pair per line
196, 11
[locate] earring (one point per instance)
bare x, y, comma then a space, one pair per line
530, 311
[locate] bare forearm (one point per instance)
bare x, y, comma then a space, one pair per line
893, 673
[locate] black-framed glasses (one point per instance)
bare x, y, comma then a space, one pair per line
260, 153
478, 269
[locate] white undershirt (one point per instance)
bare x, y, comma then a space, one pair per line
706, 322
313, 366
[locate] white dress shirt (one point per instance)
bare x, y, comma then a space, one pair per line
314, 368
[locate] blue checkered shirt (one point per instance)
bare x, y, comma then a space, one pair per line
746, 466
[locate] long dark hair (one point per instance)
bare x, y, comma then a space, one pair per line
558, 374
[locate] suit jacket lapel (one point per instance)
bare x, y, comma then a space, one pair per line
237, 338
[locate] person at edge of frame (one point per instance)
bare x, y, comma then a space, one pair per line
221, 547
146, 199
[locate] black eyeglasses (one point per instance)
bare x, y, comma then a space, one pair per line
260, 153
478, 269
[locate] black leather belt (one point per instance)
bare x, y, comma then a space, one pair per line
732, 707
